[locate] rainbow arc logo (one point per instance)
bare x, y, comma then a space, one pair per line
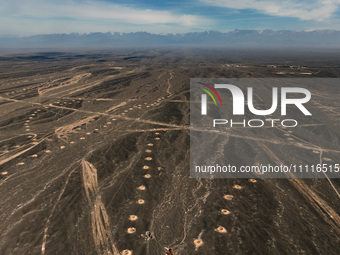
209, 93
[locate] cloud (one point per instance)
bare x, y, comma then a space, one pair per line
94, 14
318, 10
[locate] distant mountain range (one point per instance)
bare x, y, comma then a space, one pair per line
237, 38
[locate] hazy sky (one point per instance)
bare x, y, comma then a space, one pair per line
27, 17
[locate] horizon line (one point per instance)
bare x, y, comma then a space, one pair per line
192, 32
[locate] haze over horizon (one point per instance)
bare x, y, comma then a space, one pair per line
284, 39
23, 18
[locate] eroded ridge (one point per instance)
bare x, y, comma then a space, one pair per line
101, 230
